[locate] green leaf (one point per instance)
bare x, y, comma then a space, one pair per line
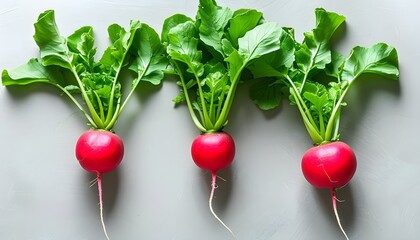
212, 21
216, 81
243, 20
72, 89
227, 47
82, 42
317, 96
53, 48
318, 102
179, 99
276, 64
171, 22
261, 40
263, 68
314, 53
100, 84
326, 24
334, 68
379, 59
266, 93
335, 90
285, 55
32, 72
236, 63
115, 32
114, 54
183, 44
150, 58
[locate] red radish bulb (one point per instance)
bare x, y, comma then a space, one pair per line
99, 151
330, 165
213, 151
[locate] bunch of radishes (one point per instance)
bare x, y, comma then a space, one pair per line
209, 54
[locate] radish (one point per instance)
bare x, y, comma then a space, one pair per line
330, 165
98, 150
213, 152
209, 55
315, 80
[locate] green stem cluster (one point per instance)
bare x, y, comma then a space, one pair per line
138, 49
317, 77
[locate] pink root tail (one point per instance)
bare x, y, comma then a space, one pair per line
101, 205
334, 203
213, 188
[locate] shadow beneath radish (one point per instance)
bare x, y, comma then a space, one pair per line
110, 189
345, 207
272, 113
360, 98
21, 95
144, 93
339, 36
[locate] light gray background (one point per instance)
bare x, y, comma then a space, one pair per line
158, 193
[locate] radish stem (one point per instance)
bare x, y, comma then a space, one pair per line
213, 187
334, 202
101, 205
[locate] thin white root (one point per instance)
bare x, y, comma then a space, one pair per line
213, 187
101, 205
334, 202
339, 200
93, 182
219, 177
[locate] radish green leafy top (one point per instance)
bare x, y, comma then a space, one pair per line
316, 78
210, 53
139, 49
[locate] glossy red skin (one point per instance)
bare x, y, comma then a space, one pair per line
99, 151
213, 151
330, 165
